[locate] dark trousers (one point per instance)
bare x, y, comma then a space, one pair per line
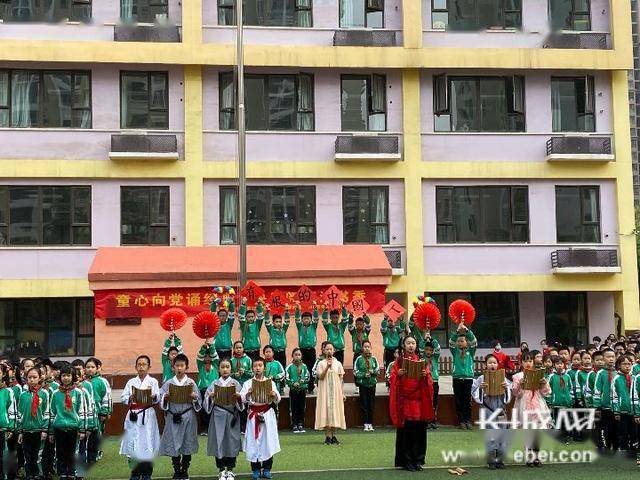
462, 396
204, 415
48, 457
436, 391
243, 420
609, 439
298, 402
389, 356
625, 432
563, 432
66, 442
94, 442
252, 354
266, 465
226, 462
309, 359
281, 356
367, 401
339, 355
31, 447
224, 354
142, 469
411, 444
14, 457
181, 463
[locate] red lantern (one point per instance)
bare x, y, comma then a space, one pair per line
206, 324
173, 319
462, 311
426, 316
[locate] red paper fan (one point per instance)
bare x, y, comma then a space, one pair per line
462, 311
173, 319
426, 315
206, 324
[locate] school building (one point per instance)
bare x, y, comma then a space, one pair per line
477, 149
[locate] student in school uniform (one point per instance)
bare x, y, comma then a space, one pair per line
277, 328
92, 422
621, 403
335, 323
387, 372
297, 377
223, 342
365, 370
462, 346
635, 399
33, 422
179, 438
307, 325
250, 326
602, 402
391, 332
561, 397
207, 363
273, 369
141, 440
224, 442
432, 359
103, 406
261, 438
172, 347
359, 333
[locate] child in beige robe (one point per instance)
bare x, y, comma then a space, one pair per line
330, 401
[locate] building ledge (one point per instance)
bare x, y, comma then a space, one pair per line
584, 270
365, 157
580, 157
170, 156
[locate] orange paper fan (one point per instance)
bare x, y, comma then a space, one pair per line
206, 324
462, 311
173, 319
426, 315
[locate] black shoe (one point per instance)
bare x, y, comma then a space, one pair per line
492, 465
529, 464
537, 463
500, 465
327, 441
335, 441
418, 467
410, 468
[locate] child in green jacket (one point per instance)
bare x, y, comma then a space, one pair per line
67, 422
240, 364
574, 373
273, 369
7, 412
432, 360
462, 345
207, 363
359, 333
250, 326
172, 347
297, 377
365, 370
92, 422
602, 400
307, 325
561, 396
224, 343
103, 406
621, 404
335, 324
32, 421
277, 329
391, 332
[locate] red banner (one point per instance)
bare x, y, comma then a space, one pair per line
150, 303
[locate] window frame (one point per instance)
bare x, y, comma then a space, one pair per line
504, 8
580, 189
450, 222
47, 326
574, 13
370, 223
572, 314
269, 219
40, 226
150, 224
298, 6
149, 4
42, 96
40, 13
149, 74
369, 79
589, 100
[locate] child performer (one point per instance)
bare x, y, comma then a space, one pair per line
250, 326
273, 369
223, 342
463, 345
621, 404
92, 422
51, 385
33, 422
366, 371
496, 438
223, 440
602, 401
598, 364
335, 323
277, 329
359, 333
411, 409
206, 361
180, 435
330, 400
261, 439
172, 347
307, 338
141, 439
561, 396
387, 373
390, 338
241, 372
67, 422
574, 373
530, 407
635, 397
297, 377
432, 359
103, 406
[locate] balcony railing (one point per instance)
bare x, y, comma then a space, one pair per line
579, 148
589, 40
585, 260
146, 33
364, 38
144, 147
368, 147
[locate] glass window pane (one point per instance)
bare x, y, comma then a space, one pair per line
158, 235
81, 205
566, 318
356, 215
589, 205
4, 98
520, 204
489, 14
306, 205
257, 198
135, 100
158, 96
135, 215
352, 13
279, 12
81, 91
56, 215
283, 215
56, 108
81, 235
464, 105
25, 216
496, 214
255, 98
86, 346
375, 19
25, 98
493, 105
444, 207
564, 105
468, 214
568, 224
354, 104
282, 103
462, 15
6, 318
4, 204
159, 205
560, 14
497, 319
62, 329
30, 331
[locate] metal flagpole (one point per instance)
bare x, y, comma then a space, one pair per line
242, 160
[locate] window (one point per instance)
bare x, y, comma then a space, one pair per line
482, 214
47, 327
144, 100
573, 104
570, 15
144, 11
363, 103
565, 316
268, 13
50, 99
365, 214
479, 104
472, 15
275, 215
272, 102
497, 318
578, 214
361, 13
50, 11
36, 216
144, 215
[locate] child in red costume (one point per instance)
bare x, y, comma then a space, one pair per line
411, 408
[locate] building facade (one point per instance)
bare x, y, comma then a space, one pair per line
484, 145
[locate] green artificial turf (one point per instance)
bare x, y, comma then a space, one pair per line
363, 455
